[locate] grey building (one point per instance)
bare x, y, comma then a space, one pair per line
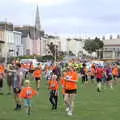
111, 49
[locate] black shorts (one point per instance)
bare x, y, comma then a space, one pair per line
1, 83
92, 77
37, 78
84, 78
31, 71
115, 76
99, 80
109, 78
16, 90
74, 91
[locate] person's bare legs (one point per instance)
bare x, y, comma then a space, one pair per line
72, 98
67, 101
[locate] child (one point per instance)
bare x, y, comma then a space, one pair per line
27, 93
53, 87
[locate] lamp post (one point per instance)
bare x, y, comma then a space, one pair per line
55, 52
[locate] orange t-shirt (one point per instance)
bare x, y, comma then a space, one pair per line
92, 71
2, 69
27, 93
53, 85
62, 81
86, 70
70, 85
37, 73
115, 71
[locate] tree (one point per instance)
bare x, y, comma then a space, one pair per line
93, 45
53, 49
99, 43
68, 39
90, 46
71, 53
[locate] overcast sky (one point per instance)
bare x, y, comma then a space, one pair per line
65, 16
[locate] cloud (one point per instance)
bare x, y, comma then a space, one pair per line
46, 2
65, 16
64, 20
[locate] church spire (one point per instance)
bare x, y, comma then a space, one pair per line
37, 20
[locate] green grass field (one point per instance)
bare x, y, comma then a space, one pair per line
88, 106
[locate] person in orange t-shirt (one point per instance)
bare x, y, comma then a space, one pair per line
71, 79
1, 78
92, 73
53, 88
37, 76
115, 72
27, 93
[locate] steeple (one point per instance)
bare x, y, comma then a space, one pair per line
37, 20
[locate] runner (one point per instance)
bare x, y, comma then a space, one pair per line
99, 76
17, 84
1, 78
84, 72
109, 76
37, 76
115, 73
92, 72
26, 94
48, 73
71, 79
9, 75
53, 88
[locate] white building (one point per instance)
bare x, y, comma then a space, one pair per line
72, 44
34, 45
76, 46
64, 44
11, 45
18, 50
31, 45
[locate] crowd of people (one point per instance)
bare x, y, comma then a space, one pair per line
64, 76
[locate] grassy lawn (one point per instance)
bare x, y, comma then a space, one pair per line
88, 106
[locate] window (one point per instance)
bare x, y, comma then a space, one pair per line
105, 49
113, 49
117, 49
28, 52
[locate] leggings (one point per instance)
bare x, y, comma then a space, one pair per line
53, 98
84, 78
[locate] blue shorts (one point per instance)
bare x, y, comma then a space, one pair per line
27, 102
